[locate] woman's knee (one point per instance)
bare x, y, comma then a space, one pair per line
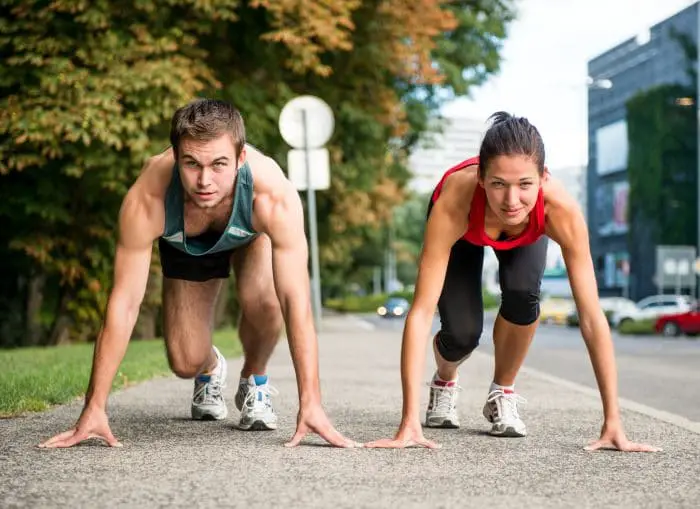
520, 307
455, 345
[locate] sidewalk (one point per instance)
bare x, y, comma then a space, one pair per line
169, 460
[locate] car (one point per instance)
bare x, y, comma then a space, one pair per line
675, 324
652, 307
609, 305
394, 307
554, 310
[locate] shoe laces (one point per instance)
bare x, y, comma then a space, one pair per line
209, 392
506, 404
443, 397
251, 398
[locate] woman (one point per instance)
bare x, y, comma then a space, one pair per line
504, 198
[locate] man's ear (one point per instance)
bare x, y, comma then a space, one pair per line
242, 157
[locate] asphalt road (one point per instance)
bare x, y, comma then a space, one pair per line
662, 373
170, 461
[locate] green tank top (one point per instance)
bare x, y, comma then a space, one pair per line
239, 229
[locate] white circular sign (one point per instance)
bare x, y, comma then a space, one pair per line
319, 122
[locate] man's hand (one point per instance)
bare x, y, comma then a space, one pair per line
312, 419
409, 435
91, 424
613, 437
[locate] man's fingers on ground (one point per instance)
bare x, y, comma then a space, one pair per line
71, 441
598, 444
112, 440
58, 438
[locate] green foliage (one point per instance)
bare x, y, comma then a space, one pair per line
87, 90
637, 327
86, 93
663, 164
370, 303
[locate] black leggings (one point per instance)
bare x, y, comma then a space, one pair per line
461, 303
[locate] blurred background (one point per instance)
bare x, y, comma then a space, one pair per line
87, 90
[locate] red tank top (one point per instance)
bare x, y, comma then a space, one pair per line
476, 234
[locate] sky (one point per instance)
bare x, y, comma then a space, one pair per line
544, 67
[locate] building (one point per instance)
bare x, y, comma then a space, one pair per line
574, 179
452, 139
636, 64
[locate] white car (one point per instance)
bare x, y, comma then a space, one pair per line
652, 307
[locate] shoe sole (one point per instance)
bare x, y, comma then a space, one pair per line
258, 426
446, 424
208, 416
509, 432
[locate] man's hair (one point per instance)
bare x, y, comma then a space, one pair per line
510, 135
205, 120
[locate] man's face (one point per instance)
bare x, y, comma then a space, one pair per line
208, 169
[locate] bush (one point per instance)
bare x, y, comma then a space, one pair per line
370, 303
637, 327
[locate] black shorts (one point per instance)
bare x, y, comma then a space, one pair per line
179, 265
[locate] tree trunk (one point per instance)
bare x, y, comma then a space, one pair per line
60, 331
35, 299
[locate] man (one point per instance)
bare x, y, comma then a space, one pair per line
213, 202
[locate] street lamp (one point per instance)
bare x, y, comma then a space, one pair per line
598, 83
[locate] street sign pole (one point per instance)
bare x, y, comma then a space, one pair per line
313, 233
306, 124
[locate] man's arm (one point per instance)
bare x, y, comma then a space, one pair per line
285, 227
138, 222
131, 267
281, 217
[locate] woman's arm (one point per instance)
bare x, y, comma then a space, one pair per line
567, 226
447, 223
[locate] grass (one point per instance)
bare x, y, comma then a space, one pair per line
34, 379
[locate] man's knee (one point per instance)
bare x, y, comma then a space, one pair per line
456, 345
187, 364
520, 307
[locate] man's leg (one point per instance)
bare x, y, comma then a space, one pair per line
259, 329
520, 274
188, 315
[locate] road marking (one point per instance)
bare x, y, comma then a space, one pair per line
671, 418
364, 324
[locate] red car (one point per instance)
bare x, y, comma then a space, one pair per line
681, 323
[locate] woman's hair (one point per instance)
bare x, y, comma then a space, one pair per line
510, 135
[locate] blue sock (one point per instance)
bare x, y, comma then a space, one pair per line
260, 379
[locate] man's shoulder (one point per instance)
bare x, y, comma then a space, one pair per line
268, 177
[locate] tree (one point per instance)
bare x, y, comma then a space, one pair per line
87, 90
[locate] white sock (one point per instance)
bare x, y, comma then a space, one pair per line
496, 387
436, 378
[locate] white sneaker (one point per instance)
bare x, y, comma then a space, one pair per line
442, 407
501, 409
255, 403
208, 399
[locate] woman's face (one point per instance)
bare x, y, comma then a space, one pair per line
511, 184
